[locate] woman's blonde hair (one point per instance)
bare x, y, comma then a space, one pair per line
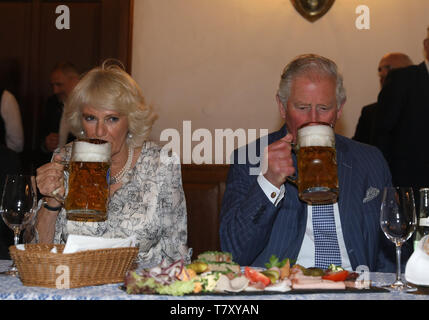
109, 87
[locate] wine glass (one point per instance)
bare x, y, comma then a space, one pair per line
18, 205
398, 221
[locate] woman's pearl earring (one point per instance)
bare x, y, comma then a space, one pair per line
130, 135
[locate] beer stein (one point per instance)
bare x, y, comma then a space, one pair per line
87, 191
317, 177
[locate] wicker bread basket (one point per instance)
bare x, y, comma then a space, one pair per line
37, 266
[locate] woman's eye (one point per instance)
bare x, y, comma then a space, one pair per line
88, 118
113, 119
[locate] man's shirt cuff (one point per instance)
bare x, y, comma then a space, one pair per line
273, 193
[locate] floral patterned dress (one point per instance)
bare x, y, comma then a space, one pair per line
150, 205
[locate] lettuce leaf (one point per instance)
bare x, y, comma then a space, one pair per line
275, 262
177, 288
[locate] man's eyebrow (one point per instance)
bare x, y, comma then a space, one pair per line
300, 103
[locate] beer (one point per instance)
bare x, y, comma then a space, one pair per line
317, 165
88, 184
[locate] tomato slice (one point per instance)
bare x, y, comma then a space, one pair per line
256, 276
336, 276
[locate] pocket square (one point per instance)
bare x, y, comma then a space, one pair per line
371, 193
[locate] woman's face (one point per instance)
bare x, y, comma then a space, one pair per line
106, 125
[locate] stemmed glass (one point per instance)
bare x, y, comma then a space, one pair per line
18, 205
398, 221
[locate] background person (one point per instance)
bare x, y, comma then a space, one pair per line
147, 198
401, 122
63, 79
262, 215
11, 128
366, 120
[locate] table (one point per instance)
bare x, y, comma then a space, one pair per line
11, 288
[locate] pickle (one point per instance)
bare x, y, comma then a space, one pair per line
315, 272
273, 275
198, 266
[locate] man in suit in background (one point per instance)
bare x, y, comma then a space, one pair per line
401, 123
63, 78
365, 124
262, 214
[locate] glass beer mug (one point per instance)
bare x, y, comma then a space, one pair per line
87, 191
317, 179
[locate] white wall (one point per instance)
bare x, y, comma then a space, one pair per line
218, 62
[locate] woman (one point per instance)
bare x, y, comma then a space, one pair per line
146, 193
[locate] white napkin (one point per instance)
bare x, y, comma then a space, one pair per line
417, 268
76, 243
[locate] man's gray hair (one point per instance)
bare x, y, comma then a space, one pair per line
307, 64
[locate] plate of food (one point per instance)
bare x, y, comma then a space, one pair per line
215, 273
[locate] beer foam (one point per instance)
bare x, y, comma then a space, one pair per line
88, 152
316, 136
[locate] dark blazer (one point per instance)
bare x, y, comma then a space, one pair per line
402, 125
365, 124
253, 229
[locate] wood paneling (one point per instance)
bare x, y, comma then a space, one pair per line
99, 29
204, 186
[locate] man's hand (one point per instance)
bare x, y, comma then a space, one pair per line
51, 141
278, 156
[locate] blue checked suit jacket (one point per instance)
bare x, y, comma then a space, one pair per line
253, 229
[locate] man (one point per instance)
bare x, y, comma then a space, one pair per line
262, 215
365, 124
64, 78
401, 123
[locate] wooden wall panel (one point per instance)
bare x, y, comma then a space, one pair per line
83, 35
204, 186
99, 29
15, 23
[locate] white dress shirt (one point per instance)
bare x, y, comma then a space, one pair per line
9, 110
306, 256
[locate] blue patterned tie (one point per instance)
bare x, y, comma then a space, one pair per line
327, 250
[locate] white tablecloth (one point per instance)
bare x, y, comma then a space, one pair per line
11, 288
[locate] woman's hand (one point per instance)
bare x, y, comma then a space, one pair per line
50, 179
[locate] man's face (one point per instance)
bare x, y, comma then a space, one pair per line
62, 85
384, 67
312, 99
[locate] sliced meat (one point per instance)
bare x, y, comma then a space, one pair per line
317, 284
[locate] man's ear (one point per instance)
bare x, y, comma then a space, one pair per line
282, 109
340, 110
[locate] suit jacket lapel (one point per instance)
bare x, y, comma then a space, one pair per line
346, 196
344, 175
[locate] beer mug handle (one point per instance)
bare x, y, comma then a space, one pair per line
293, 179
58, 197
65, 153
